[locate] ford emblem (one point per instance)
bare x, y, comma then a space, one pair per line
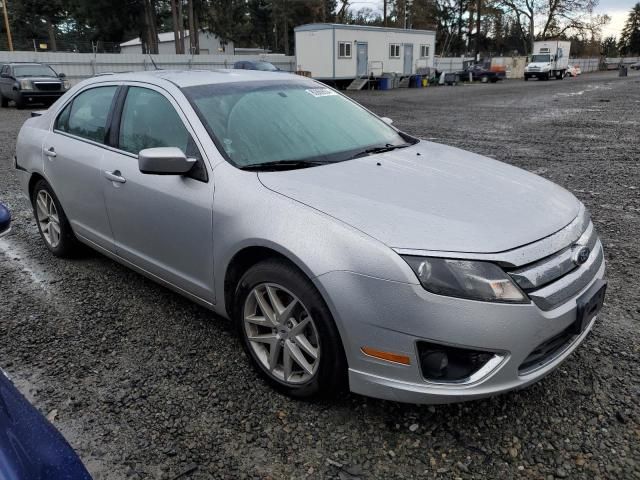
581, 255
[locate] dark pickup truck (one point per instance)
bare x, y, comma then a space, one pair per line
26, 83
478, 73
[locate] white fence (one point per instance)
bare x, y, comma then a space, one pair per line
515, 65
78, 66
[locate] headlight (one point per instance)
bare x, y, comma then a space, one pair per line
26, 85
66, 85
467, 279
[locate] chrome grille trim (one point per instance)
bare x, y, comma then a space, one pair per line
548, 269
558, 292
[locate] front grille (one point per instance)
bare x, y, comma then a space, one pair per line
553, 280
547, 351
48, 86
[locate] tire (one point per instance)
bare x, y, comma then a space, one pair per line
4, 101
20, 103
63, 244
287, 283
526, 79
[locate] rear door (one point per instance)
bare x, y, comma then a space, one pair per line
161, 223
73, 151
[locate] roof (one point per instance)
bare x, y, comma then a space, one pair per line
311, 27
190, 78
162, 38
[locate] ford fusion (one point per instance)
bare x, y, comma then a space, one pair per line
347, 252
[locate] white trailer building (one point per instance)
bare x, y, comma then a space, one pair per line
210, 44
343, 52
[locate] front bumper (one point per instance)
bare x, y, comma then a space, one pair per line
34, 96
393, 316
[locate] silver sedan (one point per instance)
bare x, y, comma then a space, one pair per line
348, 253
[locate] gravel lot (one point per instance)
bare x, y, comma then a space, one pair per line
145, 384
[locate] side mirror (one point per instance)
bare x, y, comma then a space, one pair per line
62, 75
164, 161
5, 220
386, 120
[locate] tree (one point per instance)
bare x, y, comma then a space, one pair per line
556, 18
609, 47
630, 38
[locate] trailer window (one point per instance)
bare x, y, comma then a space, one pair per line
394, 50
424, 51
344, 49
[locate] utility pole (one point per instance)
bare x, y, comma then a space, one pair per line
478, 18
384, 12
6, 24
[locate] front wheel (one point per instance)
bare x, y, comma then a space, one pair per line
4, 101
288, 332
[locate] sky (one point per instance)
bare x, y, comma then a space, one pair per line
618, 10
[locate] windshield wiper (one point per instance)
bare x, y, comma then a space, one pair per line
283, 165
373, 150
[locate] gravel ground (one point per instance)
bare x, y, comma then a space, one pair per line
145, 384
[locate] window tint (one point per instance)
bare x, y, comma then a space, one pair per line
87, 115
149, 120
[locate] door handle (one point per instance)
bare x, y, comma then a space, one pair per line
114, 176
51, 152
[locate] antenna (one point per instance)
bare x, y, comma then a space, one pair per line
154, 63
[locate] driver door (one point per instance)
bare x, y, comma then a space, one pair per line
161, 223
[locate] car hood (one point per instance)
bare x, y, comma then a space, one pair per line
433, 197
539, 65
41, 79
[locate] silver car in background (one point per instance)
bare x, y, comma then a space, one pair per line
347, 252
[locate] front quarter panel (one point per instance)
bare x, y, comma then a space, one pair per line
246, 214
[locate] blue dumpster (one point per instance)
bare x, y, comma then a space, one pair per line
418, 81
385, 83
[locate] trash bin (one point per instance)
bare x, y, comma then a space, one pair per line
425, 82
623, 71
385, 83
418, 81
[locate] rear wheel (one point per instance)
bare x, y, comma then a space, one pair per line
52, 222
288, 332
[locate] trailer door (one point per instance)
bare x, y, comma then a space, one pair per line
408, 58
363, 60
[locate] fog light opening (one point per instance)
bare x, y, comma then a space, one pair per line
442, 363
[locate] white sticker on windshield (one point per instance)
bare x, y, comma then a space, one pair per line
320, 92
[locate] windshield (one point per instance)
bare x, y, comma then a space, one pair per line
260, 122
33, 71
266, 66
540, 59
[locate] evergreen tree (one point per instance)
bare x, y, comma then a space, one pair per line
630, 38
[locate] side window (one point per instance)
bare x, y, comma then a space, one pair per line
149, 120
62, 122
5, 70
86, 116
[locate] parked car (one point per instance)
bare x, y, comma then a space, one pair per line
30, 447
478, 73
5, 220
635, 66
25, 83
344, 250
571, 71
256, 65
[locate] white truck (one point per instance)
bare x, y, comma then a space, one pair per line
550, 58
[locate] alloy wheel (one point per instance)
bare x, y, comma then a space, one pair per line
281, 334
48, 218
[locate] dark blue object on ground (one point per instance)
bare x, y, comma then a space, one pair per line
5, 219
30, 447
